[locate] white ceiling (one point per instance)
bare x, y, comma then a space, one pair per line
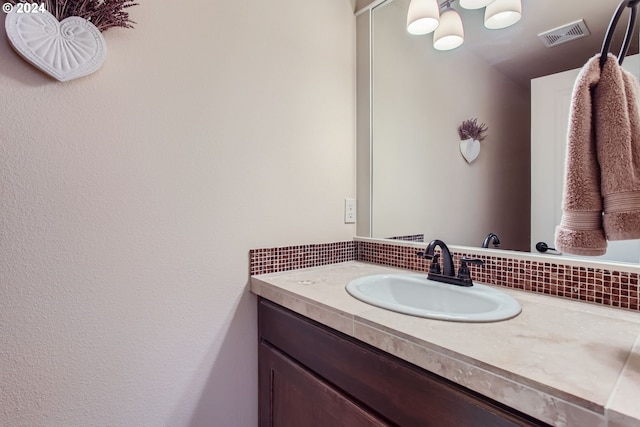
518, 52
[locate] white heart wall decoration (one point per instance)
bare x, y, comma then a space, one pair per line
65, 50
470, 149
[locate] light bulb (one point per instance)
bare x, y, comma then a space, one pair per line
502, 14
423, 16
474, 4
450, 33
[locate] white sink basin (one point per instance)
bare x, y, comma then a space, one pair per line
414, 294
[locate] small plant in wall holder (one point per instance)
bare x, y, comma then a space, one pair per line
471, 134
64, 38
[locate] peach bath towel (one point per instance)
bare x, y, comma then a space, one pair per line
602, 172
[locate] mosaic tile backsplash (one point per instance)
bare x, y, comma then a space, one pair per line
608, 287
285, 258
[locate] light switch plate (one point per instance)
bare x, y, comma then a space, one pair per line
349, 211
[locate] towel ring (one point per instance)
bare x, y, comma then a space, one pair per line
628, 35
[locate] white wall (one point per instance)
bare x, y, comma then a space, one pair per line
421, 182
129, 200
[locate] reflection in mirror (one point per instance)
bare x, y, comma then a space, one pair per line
550, 104
420, 184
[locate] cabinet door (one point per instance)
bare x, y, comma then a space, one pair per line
291, 396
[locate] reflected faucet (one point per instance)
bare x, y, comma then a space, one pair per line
489, 238
448, 275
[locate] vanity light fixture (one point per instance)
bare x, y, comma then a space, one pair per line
502, 14
450, 33
424, 17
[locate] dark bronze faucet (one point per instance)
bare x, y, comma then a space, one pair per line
447, 273
491, 237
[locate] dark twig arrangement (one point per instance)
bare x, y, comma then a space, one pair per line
470, 129
104, 14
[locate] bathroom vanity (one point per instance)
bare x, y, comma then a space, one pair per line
311, 375
329, 359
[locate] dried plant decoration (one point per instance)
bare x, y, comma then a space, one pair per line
470, 129
104, 14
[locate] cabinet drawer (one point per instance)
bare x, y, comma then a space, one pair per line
398, 391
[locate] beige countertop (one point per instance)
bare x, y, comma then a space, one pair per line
564, 362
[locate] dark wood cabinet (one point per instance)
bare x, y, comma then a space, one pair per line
314, 376
296, 397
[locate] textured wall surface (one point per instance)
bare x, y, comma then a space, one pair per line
129, 201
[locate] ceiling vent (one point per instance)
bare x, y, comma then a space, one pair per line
566, 33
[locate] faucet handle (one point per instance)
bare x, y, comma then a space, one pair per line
463, 272
435, 261
477, 261
425, 255
435, 264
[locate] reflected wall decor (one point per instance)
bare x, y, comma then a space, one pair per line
471, 134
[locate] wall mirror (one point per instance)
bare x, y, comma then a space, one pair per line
412, 178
